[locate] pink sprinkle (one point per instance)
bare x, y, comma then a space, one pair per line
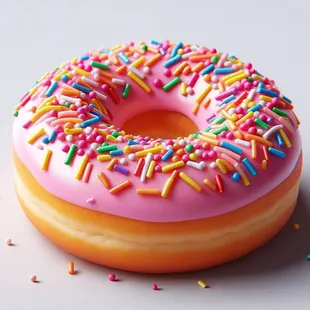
212, 50
92, 95
252, 130
187, 50
248, 66
240, 86
105, 87
81, 66
239, 110
263, 117
90, 200
157, 157
74, 78
59, 128
223, 134
255, 83
270, 105
33, 279
250, 122
158, 83
65, 148
90, 139
82, 116
202, 51
94, 134
47, 83
61, 136
204, 155
82, 136
185, 158
244, 127
27, 124
167, 72
193, 79
99, 139
53, 113
88, 68
154, 287
112, 277
275, 101
230, 136
247, 86
95, 58
158, 168
80, 152
212, 155
91, 153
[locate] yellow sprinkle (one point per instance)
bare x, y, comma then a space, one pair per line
151, 169
183, 89
136, 79
153, 150
59, 75
202, 284
264, 164
116, 47
81, 169
73, 131
173, 166
36, 136
102, 158
101, 132
285, 138
153, 60
74, 60
45, 103
179, 69
46, 160
44, 76
209, 135
221, 87
203, 95
254, 149
244, 118
104, 180
111, 138
236, 78
244, 178
138, 62
190, 182
228, 165
230, 76
208, 140
193, 156
81, 72
211, 185
148, 191
251, 104
231, 105
39, 113
221, 166
233, 117
33, 90
265, 98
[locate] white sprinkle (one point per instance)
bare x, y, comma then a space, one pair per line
189, 90
147, 162
195, 165
77, 125
169, 147
136, 72
78, 104
227, 64
70, 99
136, 55
94, 146
107, 62
203, 163
214, 79
61, 101
123, 161
262, 103
187, 55
243, 142
251, 94
69, 138
256, 113
120, 139
101, 96
50, 119
83, 96
132, 156
118, 81
88, 130
182, 142
272, 130
90, 82
244, 105
260, 131
222, 60
8, 241
231, 111
198, 152
146, 70
213, 165
97, 77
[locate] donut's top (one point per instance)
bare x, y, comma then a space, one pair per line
248, 140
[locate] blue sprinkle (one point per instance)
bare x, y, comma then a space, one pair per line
256, 108
286, 99
65, 78
249, 166
45, 140
279, 139
276, 152
231, 147
172, 61
175, 49
168, 154
123, 58
52, 136
223, 70
260, 85
308, 256
212, 120
81, 88
207, 70
90, 122
232, 57
227, 100
154, 42
51, 89
267, 92
116, 152
105, 51
84, 57
132, 142
91, 106
236, 177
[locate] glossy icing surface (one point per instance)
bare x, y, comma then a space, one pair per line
226, 104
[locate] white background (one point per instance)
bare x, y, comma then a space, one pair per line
38, 35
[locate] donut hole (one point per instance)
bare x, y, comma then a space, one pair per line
160, 124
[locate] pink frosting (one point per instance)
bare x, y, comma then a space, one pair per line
183, 203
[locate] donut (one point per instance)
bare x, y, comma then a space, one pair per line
157, 157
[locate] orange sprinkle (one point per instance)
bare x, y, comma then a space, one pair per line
153, 60
176, 158
121, 70
149, 191
106, 74
180, 152
198, 67
179, 69
296, 226
201, 57
71, 268
228, 165
104, 80
87, 173
112, 163
187, 70
115, 60
258, 139
120, 187
207, 78
254, 149
104, 180
264, 164
70, 92
196, 109
206, 103
209, 184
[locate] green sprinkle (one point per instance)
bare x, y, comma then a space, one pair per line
214, 59
71, 154
56, 69
115, 134
99, 65
171, 84
207, 129
195, 135
279, 112
189, 148
144, 47
250, 79
67, 104
15, 113
107, 148
220, 120
218, 131
126, 90
260, 123
105, 144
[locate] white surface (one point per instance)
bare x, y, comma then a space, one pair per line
38, 35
